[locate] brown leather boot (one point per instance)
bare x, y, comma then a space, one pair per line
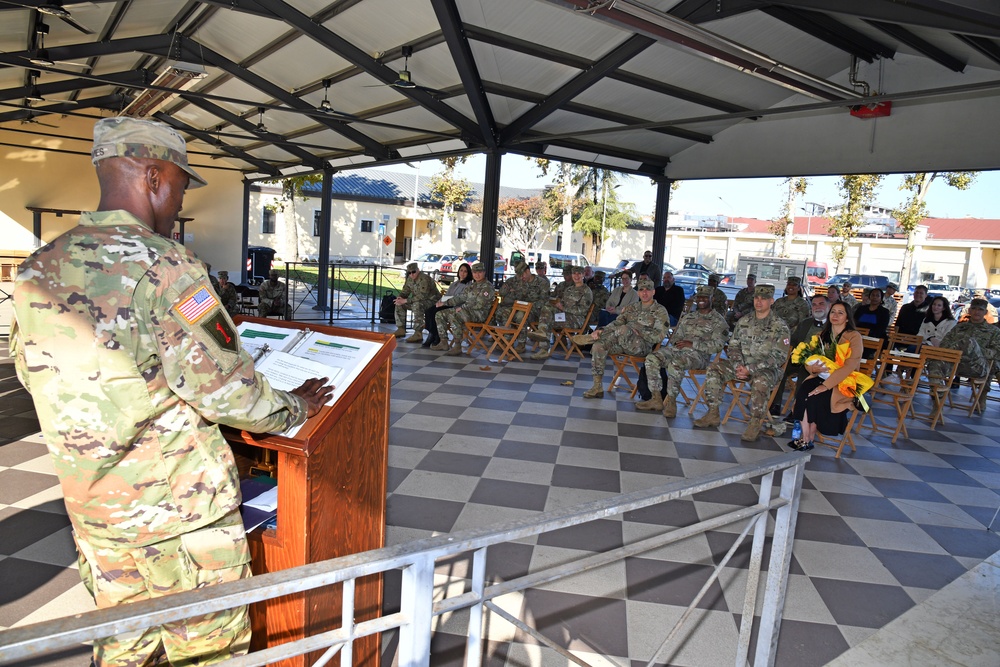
400, 332
710, 418
752, 432
654, 404
596, 391
670, 407
456, 349
542, 353
415, 337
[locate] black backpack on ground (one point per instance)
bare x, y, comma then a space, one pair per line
387, 309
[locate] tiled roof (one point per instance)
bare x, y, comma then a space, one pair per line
393, 186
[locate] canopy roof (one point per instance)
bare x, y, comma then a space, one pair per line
677, 89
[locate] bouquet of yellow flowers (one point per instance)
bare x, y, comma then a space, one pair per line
854, 385
813, 347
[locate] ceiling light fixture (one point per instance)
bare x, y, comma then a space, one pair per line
178, 77
325, 105
261, 128
33, 95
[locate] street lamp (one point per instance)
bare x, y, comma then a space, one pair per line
813, 208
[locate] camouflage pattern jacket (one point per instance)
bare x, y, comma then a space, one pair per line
601, 296
475, 300
759, 342
131, 361
576, 302
421, 289
269, 293
792, 310
534, 291
706, 330
985, 334
648, 323
719, 302
743, 302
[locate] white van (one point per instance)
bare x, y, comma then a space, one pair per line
556, 260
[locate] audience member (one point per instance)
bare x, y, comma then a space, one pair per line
227, 294
273, 296
820, 308
847, 296
873, 316
979, 342
719, 301
573, 305
743, 302
889, 301
473, 304
645, 268
792, 307
698, 336
833, 294
819, 405
567, 274
756, 354
457, 286
542, 272
419, 293
671, 297
522, 286
636, 330
601, 294
911, 315
621, 297
938, 321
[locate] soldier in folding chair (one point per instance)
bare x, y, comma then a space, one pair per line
472, 305
980, 345
698, 336
637, 329
757, 354
819, 403
569, 311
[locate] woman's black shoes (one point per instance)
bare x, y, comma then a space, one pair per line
800, 445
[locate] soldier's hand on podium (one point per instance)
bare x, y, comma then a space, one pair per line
316, 393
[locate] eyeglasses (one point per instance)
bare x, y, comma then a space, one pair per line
410, 273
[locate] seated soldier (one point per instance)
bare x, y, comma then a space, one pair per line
719, 300
471, 305
756, 354
567, 280
419, 293
227, 293
636, 330
698, 336
601, 294
573, 305
979, 342
523, 286
273, 296
742, 302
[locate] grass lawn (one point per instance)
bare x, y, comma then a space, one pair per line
348, 280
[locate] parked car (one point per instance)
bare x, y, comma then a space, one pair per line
727, 279
951, 292
470, 256
859, 281
689, 279
626, 263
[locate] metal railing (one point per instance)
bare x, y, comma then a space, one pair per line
417, 561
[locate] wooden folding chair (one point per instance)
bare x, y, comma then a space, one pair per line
897, 393
937, 384
838, 443
622, 363
979, 386
697, 378
564, 337
474, 331
904, 341
505, 337
740, 390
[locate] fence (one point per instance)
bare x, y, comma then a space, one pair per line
417, 562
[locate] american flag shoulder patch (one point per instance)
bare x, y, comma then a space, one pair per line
195, 306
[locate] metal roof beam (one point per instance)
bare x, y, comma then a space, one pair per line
832, 32
700, 11
458, 44
129, 77
987, 47
921, 45
359, 57
936, 14
545, 53
112, 102
210, 139
618, 56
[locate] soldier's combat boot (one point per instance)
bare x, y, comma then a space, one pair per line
416, 337
752, 431
670, 407
710, 418
442, 346
519, 348
654, 404
540, 336
543, 352
400, 332
456, 349
582, 339
597, 391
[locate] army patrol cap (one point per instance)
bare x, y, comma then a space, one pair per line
411, 267
600, 275
140, 138
645, 283
478, 266
704, 290
794, 280
578, 269
224, 275
521, 268
892, 286
713, 278
765, 291
979, 303
751, 275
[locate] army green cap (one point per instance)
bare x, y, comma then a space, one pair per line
794, 280
478, 266
600, 275
645, 283
979, 303
766, 291
521, 268
140, 138
751, 275
412, 266
704, 290
893, 286
224, 275
578, 269
713, 278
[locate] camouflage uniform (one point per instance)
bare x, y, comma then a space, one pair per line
743, 302
215, 284
575, 302
760, 344
230, 299
472, 305
601, 296
635, 331
707, 332
272, 299
560, 288
719, 301
848, 298
131, 361
980, 344
515, 289
791, 309
420, 292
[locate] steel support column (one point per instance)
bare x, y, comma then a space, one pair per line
36, 227
660, 213
245, 241
491, 205
326, 206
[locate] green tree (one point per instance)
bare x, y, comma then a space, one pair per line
914, 209
450, 191
562, 197
783, 227
526, 222
604, 210
859, 192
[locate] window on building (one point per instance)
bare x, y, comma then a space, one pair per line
267, 222
720, 264
317, 221
463, 233
367, 226
954, 280
689, 260
926, 277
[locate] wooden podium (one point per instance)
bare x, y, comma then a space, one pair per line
331, 501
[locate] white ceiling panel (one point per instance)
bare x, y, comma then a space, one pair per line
237, 35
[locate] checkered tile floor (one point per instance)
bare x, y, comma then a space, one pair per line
474, 443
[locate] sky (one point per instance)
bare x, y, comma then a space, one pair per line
749, 197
